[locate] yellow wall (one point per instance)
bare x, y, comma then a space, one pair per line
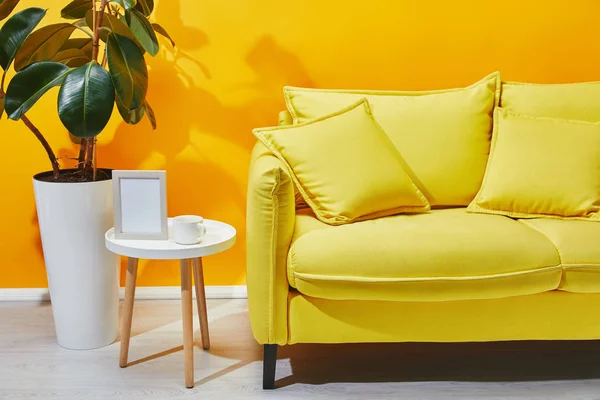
226, 78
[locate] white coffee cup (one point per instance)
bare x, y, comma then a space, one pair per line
188, 229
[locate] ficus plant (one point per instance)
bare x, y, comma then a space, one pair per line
95, 57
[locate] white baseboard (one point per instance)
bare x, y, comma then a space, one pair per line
141, 293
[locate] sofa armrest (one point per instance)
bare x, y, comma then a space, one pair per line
270, 226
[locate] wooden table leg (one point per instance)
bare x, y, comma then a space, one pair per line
187, 316
201, 301
132, 264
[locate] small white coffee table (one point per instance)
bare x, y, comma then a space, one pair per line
219, 237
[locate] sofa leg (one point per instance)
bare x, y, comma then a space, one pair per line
269, 363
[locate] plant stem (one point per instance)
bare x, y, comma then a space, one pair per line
94, 148
38, 135
81, 158
91, 144
89, 157
104, 59
42, 139
96, 41
94, 16
2, 83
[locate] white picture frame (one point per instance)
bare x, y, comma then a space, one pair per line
140, 204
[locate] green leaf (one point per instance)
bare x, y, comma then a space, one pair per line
132, 117
83, 44
15, 31
86, 100
126, 4
76, 9
6, 7
43, 44
28, 85
128, 70
72, 58
80, 23
74, 139
150, 114
142, 30
159, 29
111, 22
1, 107
145, 7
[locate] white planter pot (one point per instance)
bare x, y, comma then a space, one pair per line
83, 277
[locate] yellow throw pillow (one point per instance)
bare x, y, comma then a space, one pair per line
541, 167
345, 166
444, 135
580, 101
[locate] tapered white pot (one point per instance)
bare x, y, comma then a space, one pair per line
83, 277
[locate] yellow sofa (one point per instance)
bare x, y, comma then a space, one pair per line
442, 276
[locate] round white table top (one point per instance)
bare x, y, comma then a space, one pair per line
219, 237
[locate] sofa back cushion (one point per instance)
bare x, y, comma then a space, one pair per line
541, 167
444, 135
578, 101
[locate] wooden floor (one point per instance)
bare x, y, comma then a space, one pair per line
32, 366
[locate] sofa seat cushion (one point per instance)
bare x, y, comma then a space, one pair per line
442, 255
578, 245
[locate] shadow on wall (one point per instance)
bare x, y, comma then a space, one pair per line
198, 136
